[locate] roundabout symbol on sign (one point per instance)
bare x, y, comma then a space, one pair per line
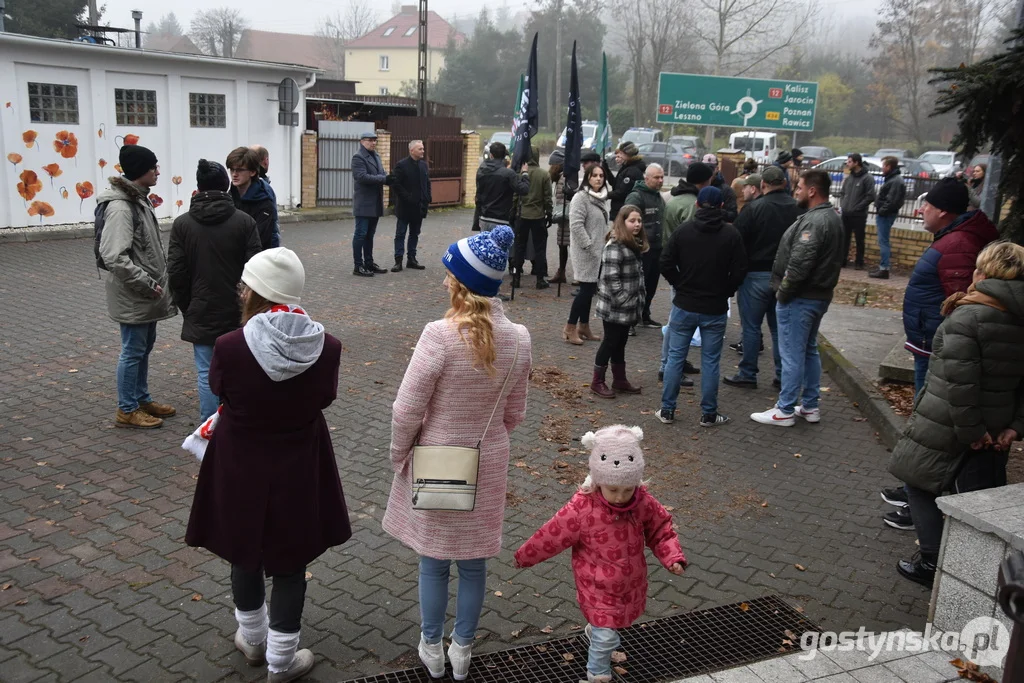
747, 101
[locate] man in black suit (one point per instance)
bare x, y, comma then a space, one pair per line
412, 199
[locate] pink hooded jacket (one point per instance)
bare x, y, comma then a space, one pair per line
607, 552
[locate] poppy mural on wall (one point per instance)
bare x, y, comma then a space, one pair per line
102, 130
29, 138
129, 139
156, 200
14, 159
117, 167
41, 209
66, 144
103, 164
52, 170
63, 192
30, 184
84, 190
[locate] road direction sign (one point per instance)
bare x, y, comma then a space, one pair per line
736, 102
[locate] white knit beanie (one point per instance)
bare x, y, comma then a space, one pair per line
277, 275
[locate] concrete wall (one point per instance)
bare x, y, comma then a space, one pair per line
363, 65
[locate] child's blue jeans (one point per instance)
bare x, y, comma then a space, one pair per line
603, 641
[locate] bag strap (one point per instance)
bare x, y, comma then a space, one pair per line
515, 357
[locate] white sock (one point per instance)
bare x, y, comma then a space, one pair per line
281, 649
254, 624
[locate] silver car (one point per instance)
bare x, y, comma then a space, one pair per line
945, 163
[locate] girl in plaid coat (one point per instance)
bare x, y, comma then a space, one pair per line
620, 299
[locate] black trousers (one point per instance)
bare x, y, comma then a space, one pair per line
539, 229
613, 344
250, 592
980, 470
652, 271
853, 226
580, 311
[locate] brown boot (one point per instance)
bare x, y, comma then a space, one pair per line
157, 409
619, 381
559, 277
584, 331
598, 386
137, 419
569, 334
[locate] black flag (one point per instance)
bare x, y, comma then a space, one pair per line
527, 118
573, 129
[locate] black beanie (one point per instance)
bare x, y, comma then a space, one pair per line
698, 172
136, 161
949, 194
212, 176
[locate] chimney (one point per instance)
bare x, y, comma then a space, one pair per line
137, 16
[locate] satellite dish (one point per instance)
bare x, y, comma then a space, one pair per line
288, 95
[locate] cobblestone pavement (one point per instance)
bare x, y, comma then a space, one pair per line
97, 585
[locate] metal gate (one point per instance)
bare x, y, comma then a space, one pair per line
337, 143
442, 138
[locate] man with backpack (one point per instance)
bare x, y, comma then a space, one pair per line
129, 248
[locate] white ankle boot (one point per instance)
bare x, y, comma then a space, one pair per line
459, 656
285, 662
251, 636
432, 656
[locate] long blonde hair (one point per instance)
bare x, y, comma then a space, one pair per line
471, 314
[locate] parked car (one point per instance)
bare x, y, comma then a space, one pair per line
589, 136
917, 174
755, 145
638, 136
814, 155
944, 162
898, 153
690, 142
504, 137
975, 160
673, 158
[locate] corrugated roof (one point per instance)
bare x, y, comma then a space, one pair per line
399, 35
290, 48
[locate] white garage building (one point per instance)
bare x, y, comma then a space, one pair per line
66, 108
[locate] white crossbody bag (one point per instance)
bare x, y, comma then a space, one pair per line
444, 477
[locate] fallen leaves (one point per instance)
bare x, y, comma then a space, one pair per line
618, 657
568, 656
800, 567
744, 607
619, 670
547, 629
498, 594
970, 672
196, 597
309, 575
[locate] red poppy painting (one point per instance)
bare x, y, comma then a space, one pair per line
66, 144
29, 138
14, 158
41, 209
52, 170
156, 200
29, 185
84, 190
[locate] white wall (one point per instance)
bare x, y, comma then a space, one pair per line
97, 71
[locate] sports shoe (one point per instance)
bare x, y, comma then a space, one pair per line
432, 656
812, 415
255, 655
137, 419
632, 331
713, 420
459, 656
737, 347
158, 409
919, 569
879, 274
738, 380
896, 496
774, 416
652, 323
900, 518
301, 665
665, 416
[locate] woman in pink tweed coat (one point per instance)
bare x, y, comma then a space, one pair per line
446, 397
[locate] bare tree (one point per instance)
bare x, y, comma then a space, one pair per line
336, 30
217, 31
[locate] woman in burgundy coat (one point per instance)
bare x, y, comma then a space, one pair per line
269, 499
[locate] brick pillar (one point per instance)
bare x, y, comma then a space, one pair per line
310, 166
384, 150
470, 162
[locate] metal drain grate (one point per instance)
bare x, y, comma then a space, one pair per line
660, 650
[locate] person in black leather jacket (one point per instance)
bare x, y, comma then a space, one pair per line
631, 171
496, 188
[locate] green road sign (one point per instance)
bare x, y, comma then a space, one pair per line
736, 102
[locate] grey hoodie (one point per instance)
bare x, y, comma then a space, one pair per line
285, 344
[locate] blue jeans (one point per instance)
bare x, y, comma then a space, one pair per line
414, 237
757, 300
883, 225
362, 241
682, 325
603, 642
469, 600
799, 321
133, 366
208, 401
920, 371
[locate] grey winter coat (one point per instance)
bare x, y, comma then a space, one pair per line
588, 225
369, 176
134, 257
857, 193
810, 256
974, 386
620, 287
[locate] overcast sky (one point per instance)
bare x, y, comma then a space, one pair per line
301, 16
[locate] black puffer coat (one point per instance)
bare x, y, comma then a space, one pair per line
975, 384
209, 246
631, 173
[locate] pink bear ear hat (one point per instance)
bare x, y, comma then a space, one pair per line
616, 458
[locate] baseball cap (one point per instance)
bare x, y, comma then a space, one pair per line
773, 175
753, 180
710, 159
368, 135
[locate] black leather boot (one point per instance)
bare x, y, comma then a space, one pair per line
919, 569
398, 265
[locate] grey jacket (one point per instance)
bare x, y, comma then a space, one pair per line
857, 194
134, 256
369, 176
588, 225
810, 256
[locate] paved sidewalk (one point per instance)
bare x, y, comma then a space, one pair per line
96, 584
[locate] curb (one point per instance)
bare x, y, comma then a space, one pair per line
866, 397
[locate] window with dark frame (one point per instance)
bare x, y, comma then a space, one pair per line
207, 110
135, 107
53, 103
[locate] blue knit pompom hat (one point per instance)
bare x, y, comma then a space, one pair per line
479, 262
710, 196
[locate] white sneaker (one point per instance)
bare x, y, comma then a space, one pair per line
774, 416
459, 656
813, 415
432, 656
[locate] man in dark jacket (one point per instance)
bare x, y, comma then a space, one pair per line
943, 269
209, 247
705, 262
646, 196
631, 172
762, 224
534, 218
856, 195
412, 199
683, 204
367, 203
264, 156
252, 194
804, 274
887, 207
497, 186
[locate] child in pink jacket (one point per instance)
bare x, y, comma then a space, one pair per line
607, 524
